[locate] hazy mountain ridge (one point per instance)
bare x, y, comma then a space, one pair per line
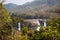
40, 7
10, 5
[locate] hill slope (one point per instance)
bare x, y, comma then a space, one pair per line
39, 7
10, 5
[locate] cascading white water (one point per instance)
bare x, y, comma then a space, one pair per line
38, 23
38, 28
44, 23
19, 26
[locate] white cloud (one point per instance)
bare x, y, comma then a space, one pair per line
19, 2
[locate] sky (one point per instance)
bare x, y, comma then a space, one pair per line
18, 2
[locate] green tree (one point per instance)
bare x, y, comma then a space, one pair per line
52, 30
5, 26
24, 30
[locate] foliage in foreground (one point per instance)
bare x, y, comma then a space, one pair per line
5, 26
51, 32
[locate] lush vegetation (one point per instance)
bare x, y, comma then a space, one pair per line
5, 26
7, 31
51, 32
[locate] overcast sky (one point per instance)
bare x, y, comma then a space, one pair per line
19, 2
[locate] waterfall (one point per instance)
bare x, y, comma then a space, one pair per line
38, 28
19, 26
44, 23
38, 23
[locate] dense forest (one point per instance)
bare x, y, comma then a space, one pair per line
8, 32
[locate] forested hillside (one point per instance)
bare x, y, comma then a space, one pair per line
40, 7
